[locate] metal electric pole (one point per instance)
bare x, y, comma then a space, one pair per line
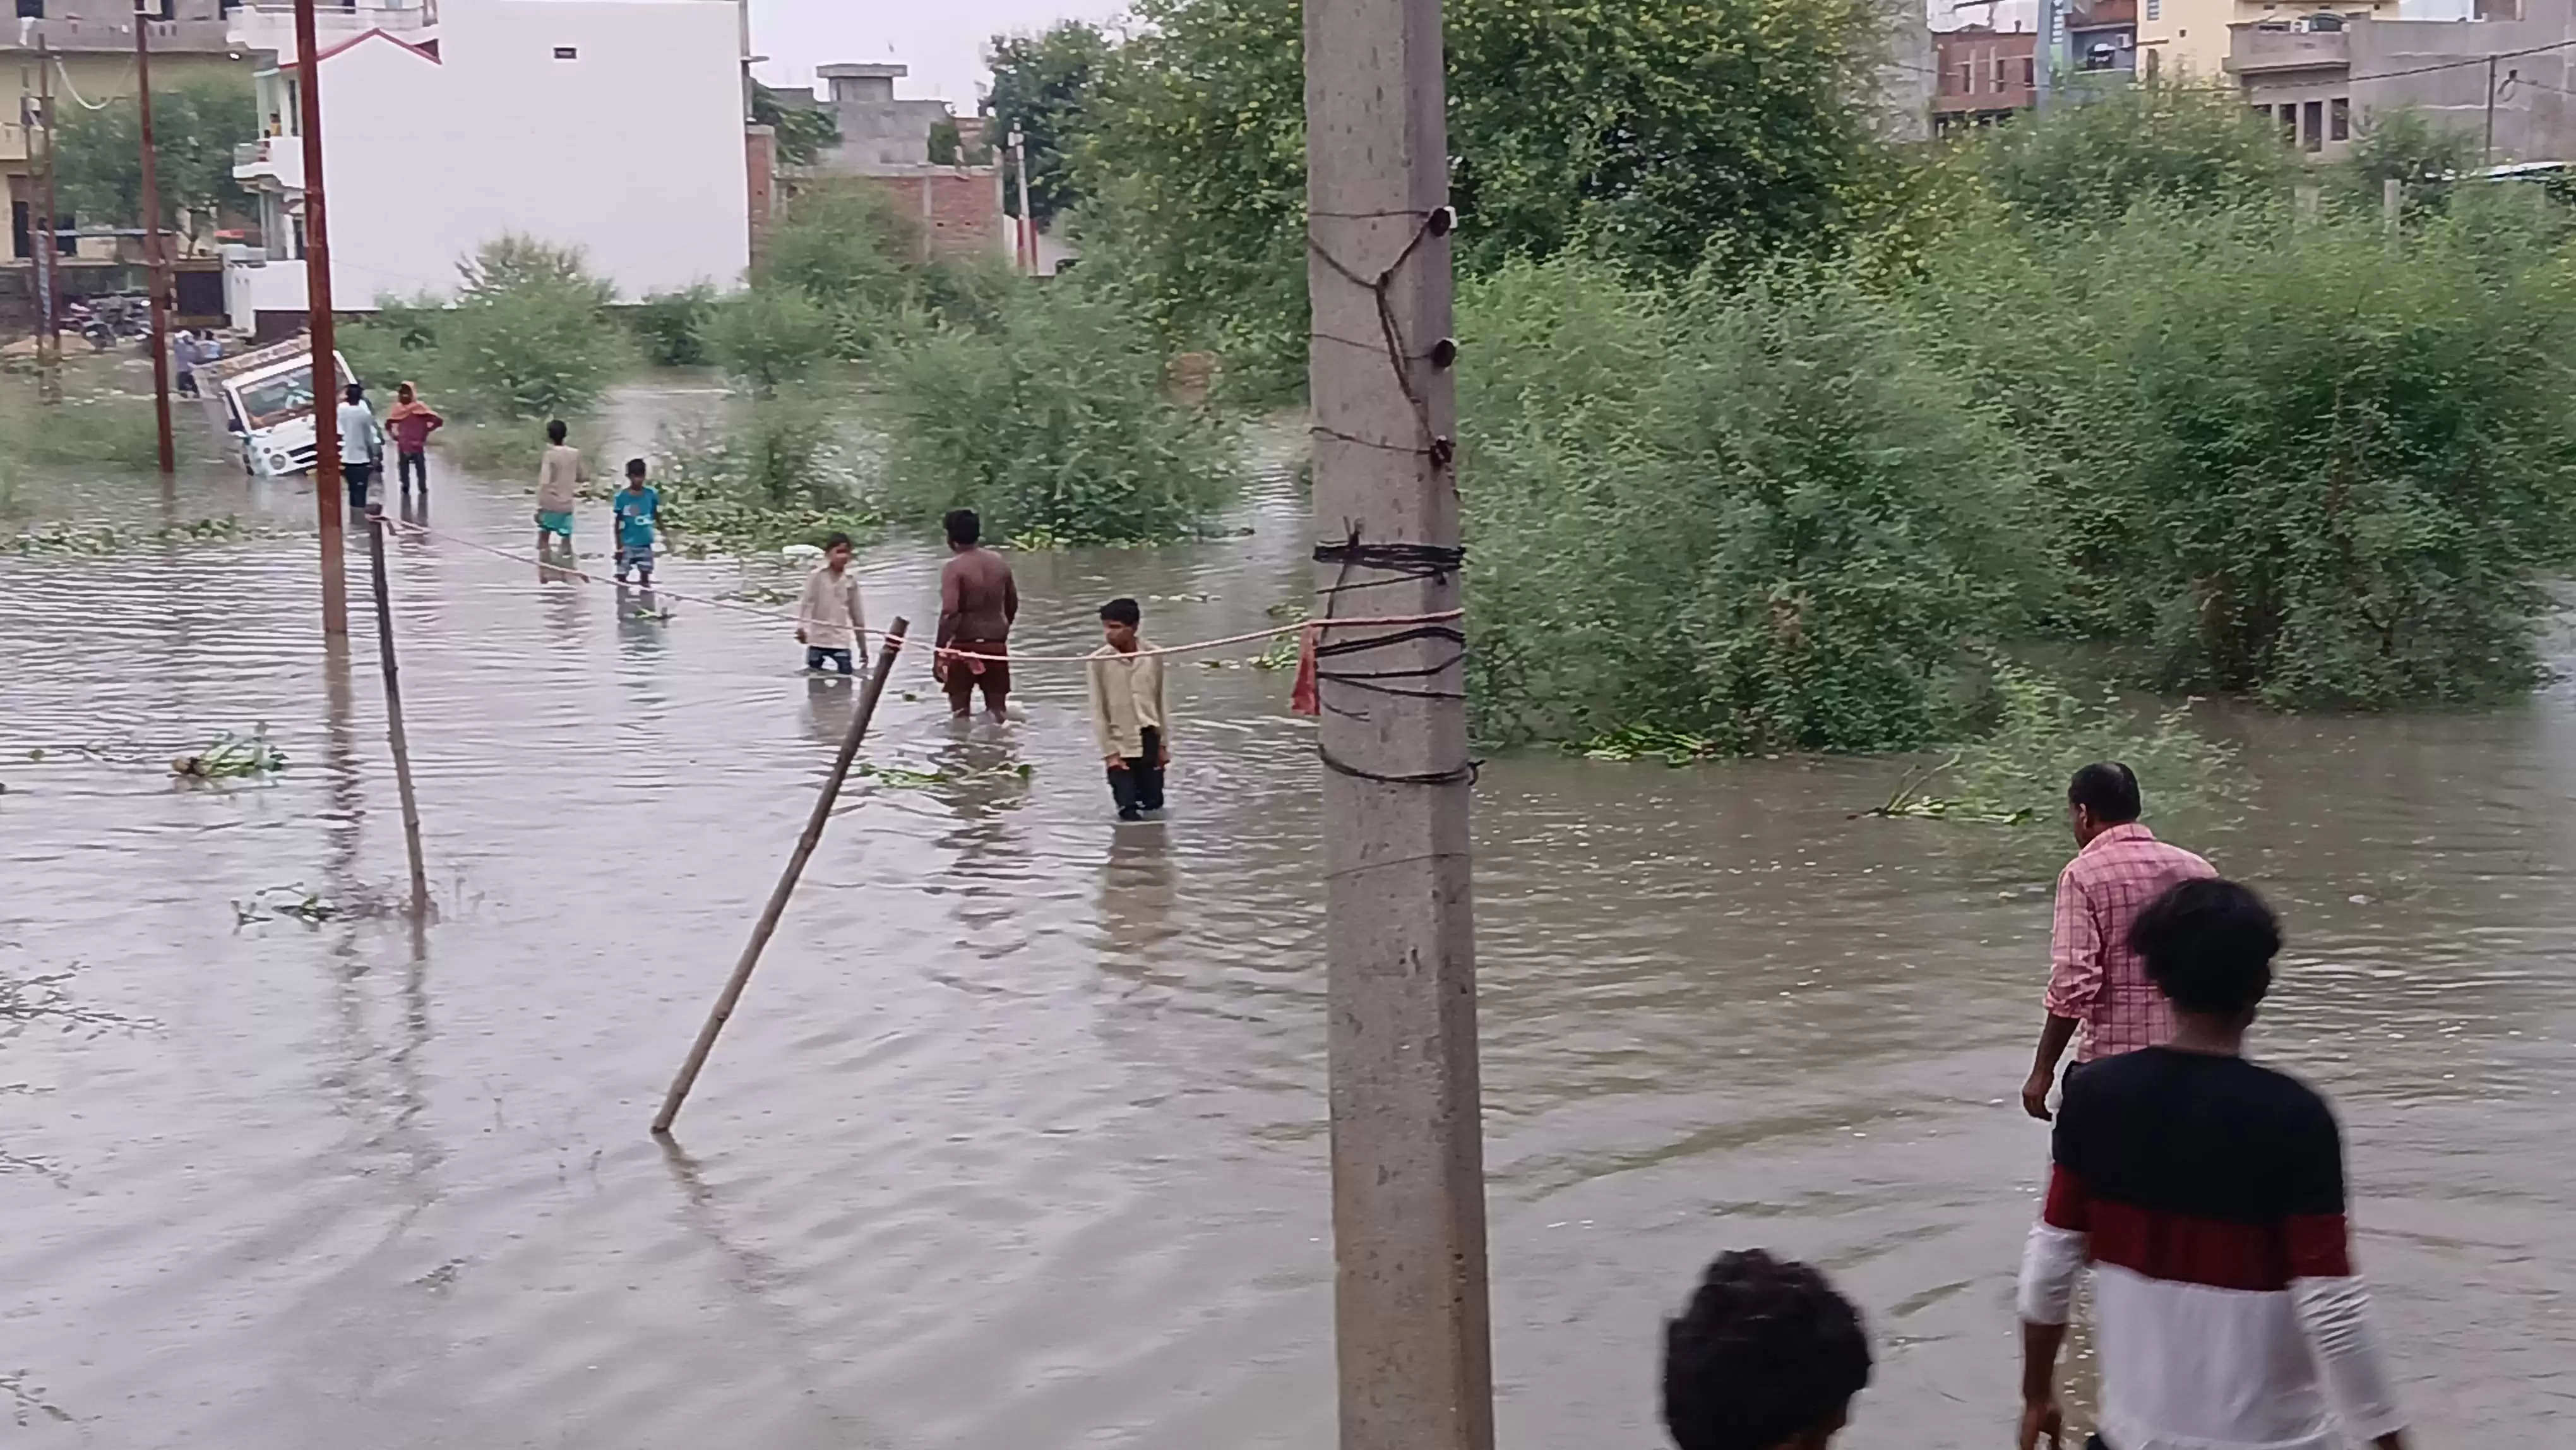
1411, 1322
49, 306
317, 301
153, 271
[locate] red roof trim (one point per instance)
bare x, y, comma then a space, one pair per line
362, 37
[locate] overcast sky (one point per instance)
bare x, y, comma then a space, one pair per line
942, 40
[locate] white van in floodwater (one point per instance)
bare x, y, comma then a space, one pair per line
267, 398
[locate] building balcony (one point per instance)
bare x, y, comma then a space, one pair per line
270, 162
13, 141
2104, 12
2253, 50
73, 35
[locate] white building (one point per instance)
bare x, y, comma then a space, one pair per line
613, 125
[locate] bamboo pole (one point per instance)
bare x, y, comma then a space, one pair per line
394, 732
768, 923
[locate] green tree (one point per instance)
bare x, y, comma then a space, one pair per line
2406, 146
805, 131
531, 335
1042, 87
195, 126
768, 336
1648, 130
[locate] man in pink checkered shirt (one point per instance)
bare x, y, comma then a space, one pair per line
2095, 982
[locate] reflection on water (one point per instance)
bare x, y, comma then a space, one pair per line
1017, 1138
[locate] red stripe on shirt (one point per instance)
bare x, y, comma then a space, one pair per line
2180, 1248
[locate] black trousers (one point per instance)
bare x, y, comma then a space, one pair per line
355, 475
410, 465
1139, 785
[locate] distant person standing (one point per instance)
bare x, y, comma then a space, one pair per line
560, 475
1127, 711
638, 508
411, 422
2207, 1195
185, 353
977, 602
362, 445
829, 618
2096, 985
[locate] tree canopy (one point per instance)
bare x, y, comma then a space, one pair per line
195, 125
1043, 86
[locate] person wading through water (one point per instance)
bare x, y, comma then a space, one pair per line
2095, 983
2207, 1194
977, 602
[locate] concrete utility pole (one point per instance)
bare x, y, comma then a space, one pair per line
1410, 1314
49, 272
1028, 233
2043, 68
317, 302
153, 272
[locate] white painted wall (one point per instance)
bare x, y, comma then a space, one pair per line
631, 150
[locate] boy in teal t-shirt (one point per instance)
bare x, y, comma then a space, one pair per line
639, 512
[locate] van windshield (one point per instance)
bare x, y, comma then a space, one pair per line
271, 401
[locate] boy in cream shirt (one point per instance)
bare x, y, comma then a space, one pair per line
1127, 711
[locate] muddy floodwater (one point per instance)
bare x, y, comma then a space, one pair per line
1018, 1139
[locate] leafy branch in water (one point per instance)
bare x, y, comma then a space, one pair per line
231, 756
2016, 774
904, 778
1649, 742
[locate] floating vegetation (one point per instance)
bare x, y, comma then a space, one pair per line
905, 778
291, 903
112, 538
1908, 801
232, 756
1650, 742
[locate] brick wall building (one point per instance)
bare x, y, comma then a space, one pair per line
1985, 75
959, 208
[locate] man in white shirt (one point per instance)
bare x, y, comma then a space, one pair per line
362, 442
1127, 711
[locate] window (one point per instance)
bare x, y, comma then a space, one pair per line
1967, 76
2314, 131
566, 52
2029, 72
31, 9
1994, 71
2155, 9
2290, 122
2339, 119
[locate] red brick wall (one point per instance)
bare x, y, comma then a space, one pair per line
959, 208
760, 151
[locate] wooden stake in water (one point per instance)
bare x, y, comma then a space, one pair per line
393, 711
768, 923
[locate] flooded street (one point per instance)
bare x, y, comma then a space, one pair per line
1018, 1137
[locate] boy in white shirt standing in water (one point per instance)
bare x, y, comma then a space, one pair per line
1127, 711
829, 619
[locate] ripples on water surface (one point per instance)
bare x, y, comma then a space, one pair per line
1017, 1140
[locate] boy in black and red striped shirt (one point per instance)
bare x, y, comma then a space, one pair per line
2207, 1194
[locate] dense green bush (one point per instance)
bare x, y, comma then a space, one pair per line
768, 336
1763, 518
2180, 146
2317, 473
670, 326
780, 475
1055, 425
531, 335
